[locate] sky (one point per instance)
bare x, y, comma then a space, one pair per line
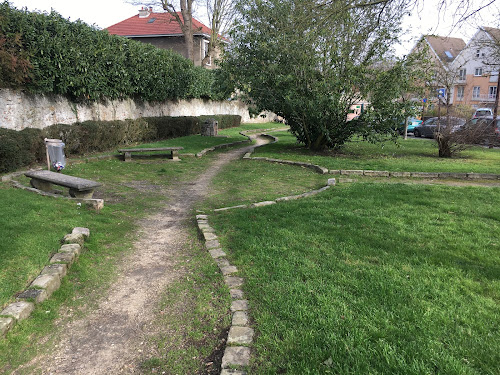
426, 18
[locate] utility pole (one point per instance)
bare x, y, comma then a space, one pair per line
495, 108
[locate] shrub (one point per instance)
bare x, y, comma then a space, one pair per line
225, 121
20, 148
84, 63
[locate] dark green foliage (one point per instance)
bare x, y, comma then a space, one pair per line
21, 148
173, 127
84, 63
311, 63
14, 66
225, 121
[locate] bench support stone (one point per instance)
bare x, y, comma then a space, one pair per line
41, 185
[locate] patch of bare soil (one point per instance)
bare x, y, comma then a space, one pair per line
112, 339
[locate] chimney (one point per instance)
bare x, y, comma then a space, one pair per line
145, 12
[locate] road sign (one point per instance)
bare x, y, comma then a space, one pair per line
441, 92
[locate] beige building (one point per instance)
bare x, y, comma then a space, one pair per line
477, 66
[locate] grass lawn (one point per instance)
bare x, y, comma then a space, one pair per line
372, 279
249, 181
411, 155
31, 227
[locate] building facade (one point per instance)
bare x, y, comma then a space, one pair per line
163, 31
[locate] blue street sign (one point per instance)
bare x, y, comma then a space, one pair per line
441, 92
424, 100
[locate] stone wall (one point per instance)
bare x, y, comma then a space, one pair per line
19, 110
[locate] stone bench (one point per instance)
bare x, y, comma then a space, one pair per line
174, 151
78, 187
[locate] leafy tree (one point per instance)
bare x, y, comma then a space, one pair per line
309, 63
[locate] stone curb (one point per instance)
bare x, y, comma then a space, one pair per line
46, 283
331, 182
438, 175
240, 333
224, 145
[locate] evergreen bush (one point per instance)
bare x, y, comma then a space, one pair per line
87, 64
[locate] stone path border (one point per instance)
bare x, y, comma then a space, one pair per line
47, 282
240, 336
226, 145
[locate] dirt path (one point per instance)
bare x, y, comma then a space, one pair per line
112, 338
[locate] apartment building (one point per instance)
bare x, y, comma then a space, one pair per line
477, 68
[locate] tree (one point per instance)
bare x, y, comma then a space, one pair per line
186, 23
310, 63
185, 19
221, 14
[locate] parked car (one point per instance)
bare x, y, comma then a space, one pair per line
481, 112
487, 124
430, 126
412, 123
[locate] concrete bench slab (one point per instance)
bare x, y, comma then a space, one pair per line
78, 187
127, 152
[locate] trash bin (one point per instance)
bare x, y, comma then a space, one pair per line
55, 154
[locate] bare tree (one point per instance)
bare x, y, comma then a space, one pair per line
183, 15
221, 14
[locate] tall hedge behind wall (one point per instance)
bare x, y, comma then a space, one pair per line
84, 63
25, 147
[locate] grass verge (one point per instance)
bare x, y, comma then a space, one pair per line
411, 155
372, 278
249, 181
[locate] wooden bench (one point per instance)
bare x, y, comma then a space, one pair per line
174, 151
78, 187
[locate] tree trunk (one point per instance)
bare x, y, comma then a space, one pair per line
443, 146
187, 27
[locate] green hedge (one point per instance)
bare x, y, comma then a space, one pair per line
25, 147
84, 63
225, 121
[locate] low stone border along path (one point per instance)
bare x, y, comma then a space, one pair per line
47, 282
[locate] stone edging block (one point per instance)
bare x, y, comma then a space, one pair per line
240, 332
46, 283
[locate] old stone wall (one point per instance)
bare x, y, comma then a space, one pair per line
19, 110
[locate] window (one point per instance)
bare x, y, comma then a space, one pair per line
460, 92
478, 72
492, 92
478, 52
204, 52
475, 92
462, 74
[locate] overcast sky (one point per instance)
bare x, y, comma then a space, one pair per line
424, 19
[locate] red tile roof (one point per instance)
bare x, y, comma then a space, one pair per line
163, 24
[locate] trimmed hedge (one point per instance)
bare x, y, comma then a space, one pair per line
56, 56
225, 121
25, 147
